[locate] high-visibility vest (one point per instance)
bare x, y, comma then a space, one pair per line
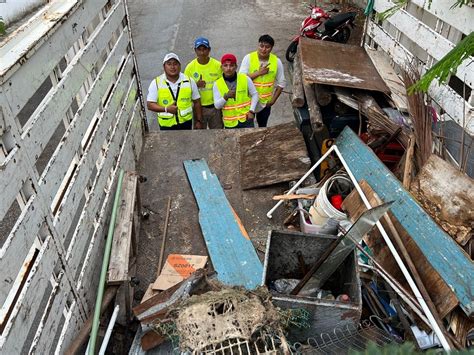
165, 99
264, 83
210, 73
235, 110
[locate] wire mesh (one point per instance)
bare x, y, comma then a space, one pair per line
341, 340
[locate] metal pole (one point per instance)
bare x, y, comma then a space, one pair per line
416, 292
108, 333
300, 181
105, 266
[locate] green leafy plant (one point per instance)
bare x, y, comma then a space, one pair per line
3, 29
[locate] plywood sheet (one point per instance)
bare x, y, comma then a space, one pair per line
272, 155
338, 64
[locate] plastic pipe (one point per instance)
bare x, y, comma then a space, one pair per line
300, 181
399, 261
105, 266
105, 342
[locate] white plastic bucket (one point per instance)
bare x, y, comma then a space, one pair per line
322, 209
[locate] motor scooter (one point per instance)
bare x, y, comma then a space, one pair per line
321, 25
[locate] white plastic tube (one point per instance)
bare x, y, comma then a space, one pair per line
399, 261
108, 333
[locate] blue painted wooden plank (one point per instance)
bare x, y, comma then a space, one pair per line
443, 253
233, 256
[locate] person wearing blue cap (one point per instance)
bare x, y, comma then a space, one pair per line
205, 70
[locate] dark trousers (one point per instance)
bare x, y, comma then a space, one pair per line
246, 124
179, 127
262, 116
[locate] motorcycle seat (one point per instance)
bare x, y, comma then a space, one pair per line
337, 20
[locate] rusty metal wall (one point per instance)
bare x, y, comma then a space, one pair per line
71, 116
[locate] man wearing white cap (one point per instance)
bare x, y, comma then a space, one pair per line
174, 97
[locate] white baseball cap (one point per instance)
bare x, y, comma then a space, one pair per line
171, 56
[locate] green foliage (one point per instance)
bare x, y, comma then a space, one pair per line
3, 29
446, 66
399, 4
297, 317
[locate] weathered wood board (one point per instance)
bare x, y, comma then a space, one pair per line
273, 155
443, 297
440, 250
231, 251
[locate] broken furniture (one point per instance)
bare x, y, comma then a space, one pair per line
282, 262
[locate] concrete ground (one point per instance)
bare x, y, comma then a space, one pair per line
231, 26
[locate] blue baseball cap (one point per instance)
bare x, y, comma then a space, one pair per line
201, 41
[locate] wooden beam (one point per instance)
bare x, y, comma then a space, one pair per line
297, 98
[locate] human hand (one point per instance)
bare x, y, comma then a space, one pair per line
250, 115
198, 125
172, 108
201, 83
264, 69
230, 95
269, 103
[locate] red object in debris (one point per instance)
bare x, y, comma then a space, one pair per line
343, 298
336, 201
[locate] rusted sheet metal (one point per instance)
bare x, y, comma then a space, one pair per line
339, 65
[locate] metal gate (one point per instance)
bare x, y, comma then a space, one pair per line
71, 115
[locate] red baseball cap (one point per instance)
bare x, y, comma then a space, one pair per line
229, 57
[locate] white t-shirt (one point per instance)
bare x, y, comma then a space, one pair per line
153, 91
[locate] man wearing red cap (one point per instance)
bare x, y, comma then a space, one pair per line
174, 97
205, 70
235, 94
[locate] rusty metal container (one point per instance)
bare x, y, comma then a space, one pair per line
284, 250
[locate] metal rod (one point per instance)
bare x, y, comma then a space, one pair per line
300, 181
317, 264
165, 232
108, 333
105, 265
398, 259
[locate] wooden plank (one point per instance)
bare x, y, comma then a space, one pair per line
18, 244
45, 55
68, 147
28, 304
441, 251
41, 126
13, 175
233, 256
115, 153
76, 187
121, 246
273, 155
426, 38
92, 206
459, 17
442, 94
443, 297
388, 74
50, 321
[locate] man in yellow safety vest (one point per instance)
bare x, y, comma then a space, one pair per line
267, 73
235, 94
205, 70
174, 97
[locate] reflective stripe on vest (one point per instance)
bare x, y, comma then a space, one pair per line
165, 99
210, 73
265, 83
235, 110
